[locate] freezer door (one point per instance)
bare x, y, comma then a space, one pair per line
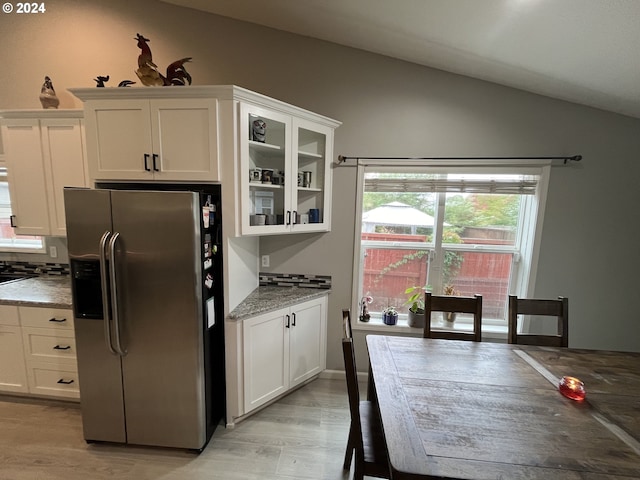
158, 275
88, 216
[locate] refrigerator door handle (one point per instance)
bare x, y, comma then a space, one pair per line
105, 291
114, 295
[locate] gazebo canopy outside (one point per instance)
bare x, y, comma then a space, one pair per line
395, 214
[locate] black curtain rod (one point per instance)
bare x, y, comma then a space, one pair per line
574, 158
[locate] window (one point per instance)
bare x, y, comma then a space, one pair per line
9, 241
466, 229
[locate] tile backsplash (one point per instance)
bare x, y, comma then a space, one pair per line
34, 268
295, 280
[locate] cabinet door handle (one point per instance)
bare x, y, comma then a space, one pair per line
146, 163
54, 319
155, 157
58, 347
288, 320
294, 217
288, 217
11, 219
294, 319
66, 382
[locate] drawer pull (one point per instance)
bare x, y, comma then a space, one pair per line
58, 347
66, 382
54, 319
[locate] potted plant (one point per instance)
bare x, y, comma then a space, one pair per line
390, 316
449, 317
416, 317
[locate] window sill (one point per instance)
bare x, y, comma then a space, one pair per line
497, 332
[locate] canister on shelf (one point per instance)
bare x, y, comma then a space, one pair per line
314, 215
255, 175
267, 175
306, 182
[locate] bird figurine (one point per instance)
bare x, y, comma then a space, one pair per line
176, 73
48, 97
148, 72
100, 80
125, 83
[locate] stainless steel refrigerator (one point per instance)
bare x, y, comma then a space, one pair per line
147, 298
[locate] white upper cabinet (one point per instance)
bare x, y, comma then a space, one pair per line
285, 172
273, 159
157, 134
44, 152
165, 139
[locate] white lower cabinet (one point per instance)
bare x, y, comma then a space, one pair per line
53, 380
38, 351
13, 375
282, 349
50, 351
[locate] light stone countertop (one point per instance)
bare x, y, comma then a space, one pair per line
55, 292
270, 298
46, 291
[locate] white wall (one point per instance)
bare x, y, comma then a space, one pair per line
387, 107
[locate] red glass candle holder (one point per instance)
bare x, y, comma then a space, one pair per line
572, 387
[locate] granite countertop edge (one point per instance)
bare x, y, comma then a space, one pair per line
55, 292
48, 291
266, 299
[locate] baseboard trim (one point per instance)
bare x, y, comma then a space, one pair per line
340, 375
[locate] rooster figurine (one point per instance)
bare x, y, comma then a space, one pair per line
148, 71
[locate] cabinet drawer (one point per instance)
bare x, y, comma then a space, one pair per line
58, 318
9, 315
51, 380
50, 345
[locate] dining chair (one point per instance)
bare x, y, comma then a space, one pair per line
548, 308
346, 322
456, 304
366, 440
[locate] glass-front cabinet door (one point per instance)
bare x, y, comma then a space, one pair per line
265, 149
285, 172
311, 193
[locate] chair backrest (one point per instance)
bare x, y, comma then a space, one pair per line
346, 323
548, 308
352, 387
450, 303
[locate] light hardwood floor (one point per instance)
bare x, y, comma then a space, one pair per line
302, 436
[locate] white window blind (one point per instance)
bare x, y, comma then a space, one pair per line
523, 186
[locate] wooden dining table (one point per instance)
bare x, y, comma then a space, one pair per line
487, 411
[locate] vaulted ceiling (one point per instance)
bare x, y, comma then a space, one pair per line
583, 51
